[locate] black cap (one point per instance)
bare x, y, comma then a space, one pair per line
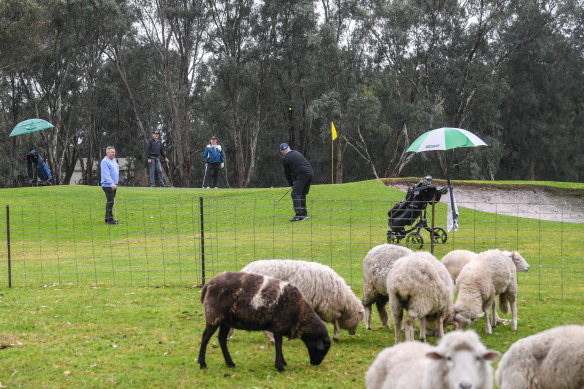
156, 132
214, 137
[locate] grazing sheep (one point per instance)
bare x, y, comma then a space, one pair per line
456, 259
491, 273
325, 290
460, 361
259, 303
376, 266
551, 359
420, 284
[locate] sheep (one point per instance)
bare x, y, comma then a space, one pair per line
550, 359
456, 259
459, 361
325, 290
420, 284
259, 303
491, 273
376, 266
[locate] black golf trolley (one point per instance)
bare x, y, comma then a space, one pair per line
412, 212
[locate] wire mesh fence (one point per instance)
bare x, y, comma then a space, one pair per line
188, 241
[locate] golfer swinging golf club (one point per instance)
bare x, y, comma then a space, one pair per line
299, 175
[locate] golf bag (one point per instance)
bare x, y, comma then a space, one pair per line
412, 212
37, 166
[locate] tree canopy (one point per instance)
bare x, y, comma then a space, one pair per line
257, 74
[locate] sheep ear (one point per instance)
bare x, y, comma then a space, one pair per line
491, 355
434, 355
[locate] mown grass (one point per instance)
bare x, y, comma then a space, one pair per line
100, 306
149, 337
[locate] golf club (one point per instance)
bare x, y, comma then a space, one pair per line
277, 201
205, 176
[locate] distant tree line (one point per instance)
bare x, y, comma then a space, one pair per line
259, 73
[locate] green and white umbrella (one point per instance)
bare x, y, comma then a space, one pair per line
445, 138
30, 125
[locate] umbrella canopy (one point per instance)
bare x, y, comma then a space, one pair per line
30, 125
445, 138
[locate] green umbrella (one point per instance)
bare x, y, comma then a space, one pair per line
445, 138
30, 125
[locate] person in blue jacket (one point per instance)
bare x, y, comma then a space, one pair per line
110, 174
299, 175
214, 161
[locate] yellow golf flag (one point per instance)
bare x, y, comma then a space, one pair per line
333, 131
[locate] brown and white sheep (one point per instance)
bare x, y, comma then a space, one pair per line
254, 302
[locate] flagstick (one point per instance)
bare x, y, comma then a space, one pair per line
332, 161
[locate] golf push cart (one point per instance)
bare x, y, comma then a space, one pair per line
412, 212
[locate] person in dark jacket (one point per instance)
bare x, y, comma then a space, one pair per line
155, 149
299, 175
214, 161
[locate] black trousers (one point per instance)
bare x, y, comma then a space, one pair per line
213, 170
110, 195
300, 188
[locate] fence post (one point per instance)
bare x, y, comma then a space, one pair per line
8, 244
202, 240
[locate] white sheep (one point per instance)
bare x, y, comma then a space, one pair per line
456, 259
550, 359
460, 361
327, 292
491, 273
376, 266
420, 284
259, 303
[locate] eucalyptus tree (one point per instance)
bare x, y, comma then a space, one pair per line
441, 57
177, 30
542, 113
54, 77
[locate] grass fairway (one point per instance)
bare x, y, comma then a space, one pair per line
101, 306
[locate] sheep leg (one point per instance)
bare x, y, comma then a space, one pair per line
423, 329
409, 325
440, 327
337, 330
209, 331
380, 303
398, 314
488, 328
223, 332
280, 362
514, 315
494, 313
367, 316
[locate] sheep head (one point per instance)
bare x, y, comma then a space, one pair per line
317, 346
350, 320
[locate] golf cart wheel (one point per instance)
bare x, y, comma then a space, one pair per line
414, 241
440, 235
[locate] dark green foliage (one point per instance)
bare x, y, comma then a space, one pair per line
258, 74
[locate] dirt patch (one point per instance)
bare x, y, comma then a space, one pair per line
530, 201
